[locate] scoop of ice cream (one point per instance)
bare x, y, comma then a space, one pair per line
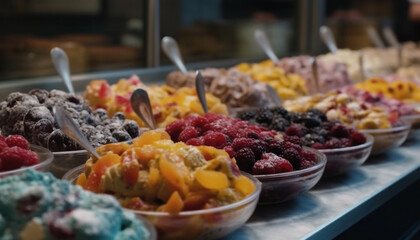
36, 206
31, 115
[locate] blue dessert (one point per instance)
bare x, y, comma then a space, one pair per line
37, 206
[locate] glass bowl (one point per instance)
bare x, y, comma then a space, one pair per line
414, 121
280, 187
45, 157
67, 160
149, 227
341, 160
211, 223
388, 138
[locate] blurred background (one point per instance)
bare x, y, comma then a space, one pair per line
103, 35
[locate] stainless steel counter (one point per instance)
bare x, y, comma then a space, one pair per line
336, 204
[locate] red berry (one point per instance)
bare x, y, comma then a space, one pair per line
286, 145
281, 165
17, 140
332, 143
296, 130
229, 150
345, 142
2, 138
239, 143
195, 141
245, 159
339, 131
293, 139
357, 138
16, 157
199, 122
293, 156
305, 164
271, 163
175, 128
3, 145
187, 134
263, 167
318, 145
308, 156
215, 139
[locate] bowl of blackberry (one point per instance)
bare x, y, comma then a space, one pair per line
345, 148
285, 168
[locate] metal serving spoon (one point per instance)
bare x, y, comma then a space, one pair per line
392, 40
140, 103
201, 92
61, 64
265, 45
315, 73
170, 47
375, 38
328, 38
273, 95
67, 125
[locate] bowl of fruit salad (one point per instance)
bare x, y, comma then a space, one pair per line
185, 191
17, 155
257, 150
345, 148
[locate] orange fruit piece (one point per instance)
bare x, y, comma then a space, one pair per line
93, 182
196, 200
105, 162
117, 148
174, 204
211, 179
171, 173
149, 137
244, 185
130, 173
81, 180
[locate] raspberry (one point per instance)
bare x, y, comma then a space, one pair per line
17, 140
286, 145
306, 164
318, 146
263, 167
187, 134
296, 130
293, 139
215, 139
357, 138
2, 138
280, 164
199, 123
229, 150
345, 142
3, 145
293, 156
252, 135
333, 143
16, 157
339, 131
308, 156
195, 141
239, 143
245, 159
274, 147
175, 128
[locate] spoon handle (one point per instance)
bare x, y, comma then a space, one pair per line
140, 103
392, 40
375, 38
315, 73
67, 125
61, 64
362, 65
170, 47
265, 45
273, 95
328, 38
201, 92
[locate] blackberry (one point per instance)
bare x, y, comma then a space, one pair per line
311, 120
248, 115
132, 128
119, 115
264, 116
121, 136
245, 159
293, 156
279, 123
281, 111
318, 113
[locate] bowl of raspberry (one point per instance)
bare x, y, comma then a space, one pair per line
345, 148
17, 155
388, 138
285, 168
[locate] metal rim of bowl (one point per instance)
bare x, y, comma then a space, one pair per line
44, 163
251, 197
322, 158
368, 143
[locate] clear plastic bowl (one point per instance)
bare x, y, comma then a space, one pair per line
45, 157
280, 187
414, 121
149, 227
388, 138
341, 160
211, 223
